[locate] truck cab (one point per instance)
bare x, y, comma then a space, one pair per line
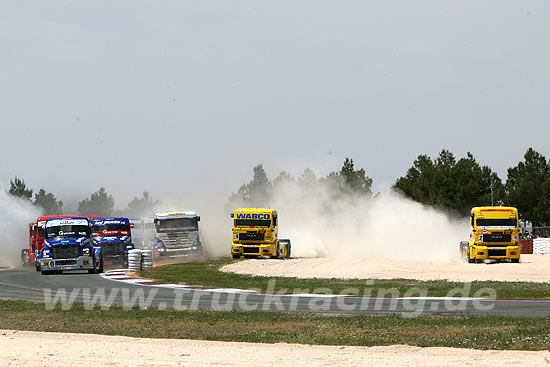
256, 233
494, 234
176, 235
68, 246
114, 237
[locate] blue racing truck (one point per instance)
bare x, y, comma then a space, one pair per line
114, 237
68, 246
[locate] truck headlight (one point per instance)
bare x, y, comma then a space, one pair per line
46, 253
86, 251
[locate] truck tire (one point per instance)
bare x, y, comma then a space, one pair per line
515, 261
46, 272
463, 248
286, 244
278, 251
98, 266
282, 251
236, 256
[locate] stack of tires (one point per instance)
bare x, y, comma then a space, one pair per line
134, 260
146, 259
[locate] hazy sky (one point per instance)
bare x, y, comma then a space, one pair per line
183, 98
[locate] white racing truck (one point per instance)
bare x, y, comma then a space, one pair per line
177, 235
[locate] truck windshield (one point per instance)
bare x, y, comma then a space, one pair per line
67, 231
252, 222
177, 224
505, 222
111, 227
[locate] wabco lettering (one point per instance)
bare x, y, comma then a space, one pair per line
252, 216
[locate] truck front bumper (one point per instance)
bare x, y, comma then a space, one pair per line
495, 252
80, 263
253, 250
178, 252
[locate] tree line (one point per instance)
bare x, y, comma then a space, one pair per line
444, 182
348, 182
99, 203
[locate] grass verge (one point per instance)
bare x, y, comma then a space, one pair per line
269, 327
208, 274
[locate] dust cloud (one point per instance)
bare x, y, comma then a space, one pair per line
15, 216
387, 226
318, 223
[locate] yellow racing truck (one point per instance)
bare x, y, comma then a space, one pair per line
494, 234
256, 233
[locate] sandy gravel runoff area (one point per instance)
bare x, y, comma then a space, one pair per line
26, 348
535, 268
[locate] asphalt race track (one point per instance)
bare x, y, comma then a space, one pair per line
27, 284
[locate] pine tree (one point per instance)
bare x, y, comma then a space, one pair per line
18, 188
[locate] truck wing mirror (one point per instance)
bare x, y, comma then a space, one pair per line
198, 219
232, 215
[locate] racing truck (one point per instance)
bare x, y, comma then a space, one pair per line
256, 233
28, 254
494, 234
68, 246
37, 240
177, 235
114, 237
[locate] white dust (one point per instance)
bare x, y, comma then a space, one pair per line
15, 216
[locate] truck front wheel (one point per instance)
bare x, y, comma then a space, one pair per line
236, 256
98, 266
282, 251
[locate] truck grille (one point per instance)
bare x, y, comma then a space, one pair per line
65, 262
497, 252
112, 249
251, 236
176, 240
497, 238
65, 252
251, 250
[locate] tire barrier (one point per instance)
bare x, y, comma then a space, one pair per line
134, 260
146, 259
541, 246
526, 246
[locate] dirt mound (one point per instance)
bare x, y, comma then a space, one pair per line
532, 268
